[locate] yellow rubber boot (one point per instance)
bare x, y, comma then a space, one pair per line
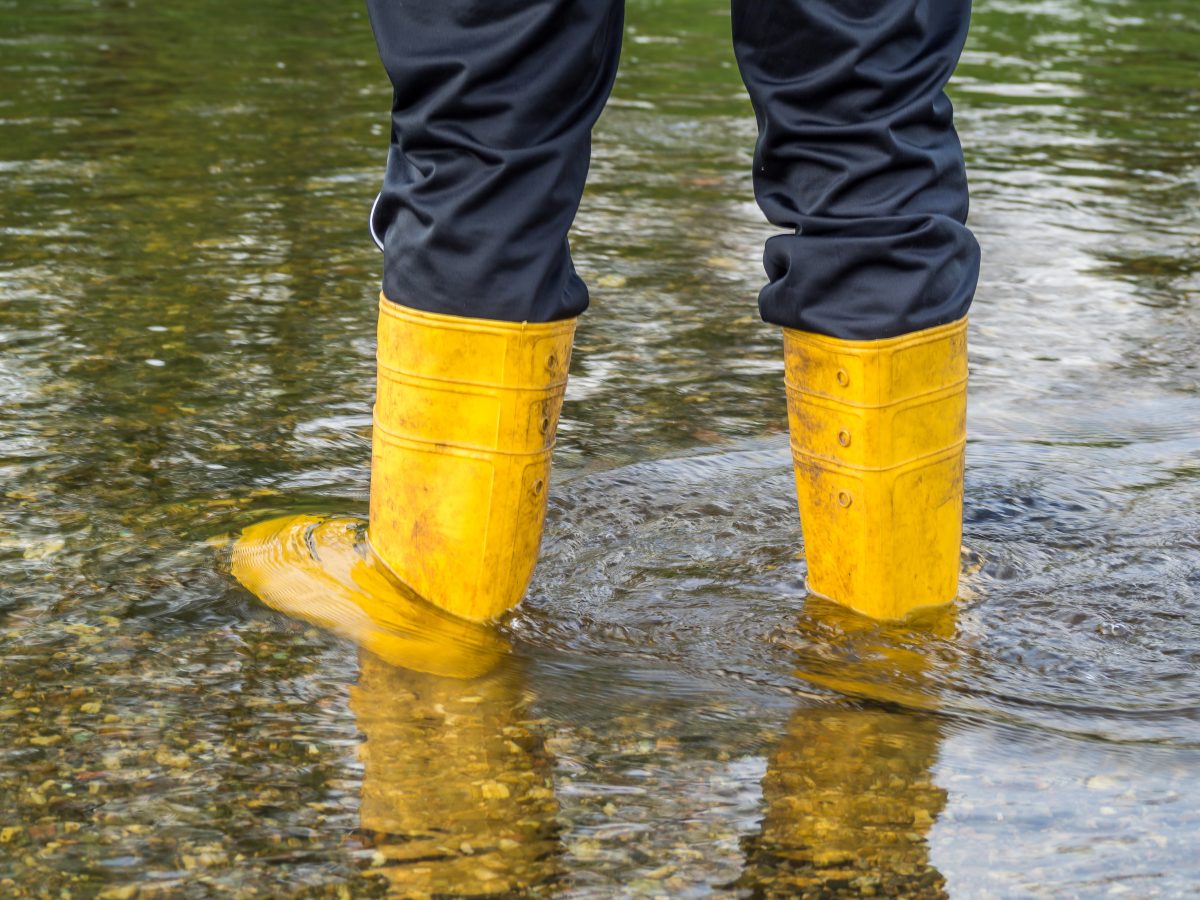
465, 417
320, 569
878, 430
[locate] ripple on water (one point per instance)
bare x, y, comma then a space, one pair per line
1077, 597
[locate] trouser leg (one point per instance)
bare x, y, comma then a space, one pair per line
857, 153
492, 112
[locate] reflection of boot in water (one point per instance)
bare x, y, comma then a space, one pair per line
457, 797
849, 792
457, 792
849, 803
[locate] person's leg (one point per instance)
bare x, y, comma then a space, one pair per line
858, 157
493, 108
492, 113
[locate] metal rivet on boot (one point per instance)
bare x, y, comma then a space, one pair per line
844, 499
844, 438
843, 377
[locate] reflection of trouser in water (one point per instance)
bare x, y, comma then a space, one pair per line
457, 792
857, 159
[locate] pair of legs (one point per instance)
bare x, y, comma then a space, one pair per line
857, 159
857, 156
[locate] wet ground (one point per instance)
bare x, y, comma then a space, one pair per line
186, 321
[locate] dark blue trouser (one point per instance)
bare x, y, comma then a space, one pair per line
857, 157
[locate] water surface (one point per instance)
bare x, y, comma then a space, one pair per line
186, 320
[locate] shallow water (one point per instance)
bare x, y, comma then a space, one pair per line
186, 316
